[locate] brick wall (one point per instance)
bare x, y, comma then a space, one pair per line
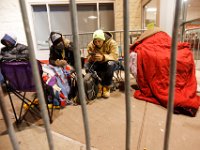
134, 18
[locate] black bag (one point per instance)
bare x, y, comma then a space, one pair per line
73, 94
91, 80
91, 86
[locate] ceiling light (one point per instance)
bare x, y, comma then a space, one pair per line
151, 9
92, 17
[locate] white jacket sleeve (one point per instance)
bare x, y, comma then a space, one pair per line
133, 64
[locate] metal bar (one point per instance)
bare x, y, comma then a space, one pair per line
8, 123
48, 17
36, 74
189, 21
139, 30
198, 47
198, 28
21, 108
12, 105
127, 74
170, 107
98, 16
184, 16
79, 71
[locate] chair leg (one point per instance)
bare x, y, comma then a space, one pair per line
31, 109
20, 114
13, 108
24, 101
52, 110
50, 114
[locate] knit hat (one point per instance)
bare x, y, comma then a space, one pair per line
12, 39
99, 34
56, 38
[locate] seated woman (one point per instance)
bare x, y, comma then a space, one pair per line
58, 72
61, 51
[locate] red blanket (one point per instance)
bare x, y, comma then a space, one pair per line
153, 66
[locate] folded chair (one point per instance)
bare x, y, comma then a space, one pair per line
19, 80
118, 80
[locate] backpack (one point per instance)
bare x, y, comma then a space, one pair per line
91, 86
90, 81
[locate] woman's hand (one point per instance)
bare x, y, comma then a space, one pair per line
60, 63
98, 57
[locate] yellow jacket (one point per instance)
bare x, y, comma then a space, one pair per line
109, 48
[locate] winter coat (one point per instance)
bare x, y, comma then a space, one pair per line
57, 53
18, 52
109, 48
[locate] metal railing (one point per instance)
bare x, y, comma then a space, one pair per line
85, 38
192, 36
80, 41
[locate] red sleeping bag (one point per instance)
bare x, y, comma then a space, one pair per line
153, 66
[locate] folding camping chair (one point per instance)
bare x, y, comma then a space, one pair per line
19, 80
117, 78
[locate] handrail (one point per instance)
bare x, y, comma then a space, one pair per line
137, 30
86, 37
189, 36
198, 28
183, 26
189, 21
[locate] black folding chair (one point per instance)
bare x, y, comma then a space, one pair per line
19, 80
118, 80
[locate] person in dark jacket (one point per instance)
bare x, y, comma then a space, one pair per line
13, 50
61, 51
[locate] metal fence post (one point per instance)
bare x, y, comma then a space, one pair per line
79, 71
127, 75
170, 107
8, 123
36, 76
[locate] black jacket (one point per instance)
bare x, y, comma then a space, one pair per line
57, 54
18, 52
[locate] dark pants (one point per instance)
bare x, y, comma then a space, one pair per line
104, 70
